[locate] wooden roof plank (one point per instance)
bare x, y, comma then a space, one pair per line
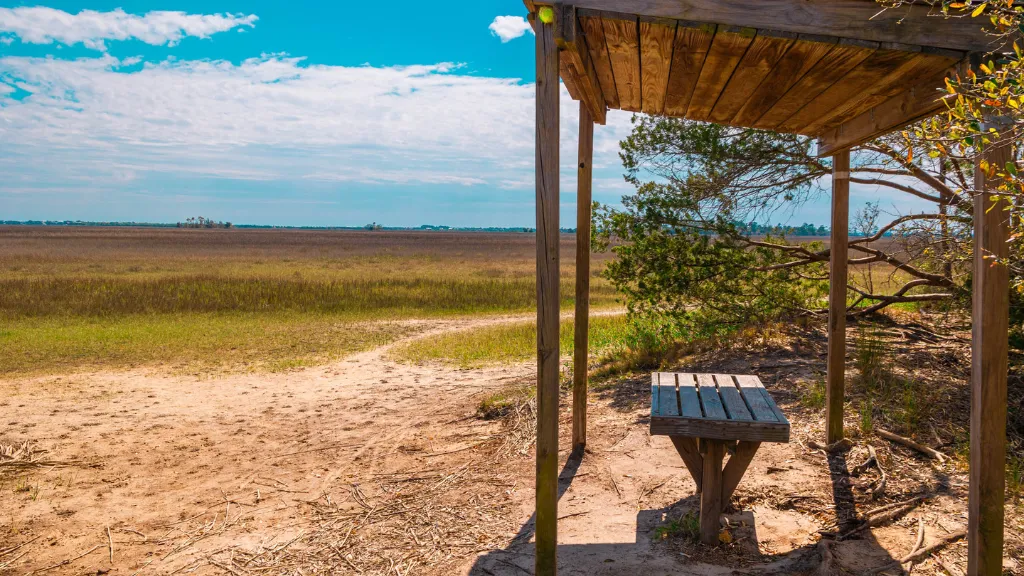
919, 102
757, 64
656, 40
800, 59
917, 24
895, 82
726, 52
832, 67
594, 31
622, 39
876, 71
575, 56
691, 48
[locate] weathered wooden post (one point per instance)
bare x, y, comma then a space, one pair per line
836, 376
584, 177
547, 292
989, 359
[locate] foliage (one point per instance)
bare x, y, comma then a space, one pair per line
985, 108
690, 268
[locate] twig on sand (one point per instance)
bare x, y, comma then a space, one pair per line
68, 561
920, 553
883, 514
929, 452
873, 460
837, 446
110, 545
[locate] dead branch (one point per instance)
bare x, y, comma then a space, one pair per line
929, 452
920, 553
838, 446
882, 515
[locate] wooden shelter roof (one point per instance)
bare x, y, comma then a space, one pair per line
843, 71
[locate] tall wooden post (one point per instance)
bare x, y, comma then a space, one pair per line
584, 181
989, 346
547, 299
836, 377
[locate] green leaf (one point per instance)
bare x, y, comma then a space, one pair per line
1011, 168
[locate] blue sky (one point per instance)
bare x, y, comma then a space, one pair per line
288, 113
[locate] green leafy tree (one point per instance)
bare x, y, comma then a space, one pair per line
689, 267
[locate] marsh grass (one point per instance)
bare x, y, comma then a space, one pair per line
244, 300
506, 343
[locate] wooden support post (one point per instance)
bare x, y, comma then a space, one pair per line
690, 453
988, 375
711, 490
582, 325
836, 377
547, 299
737, 467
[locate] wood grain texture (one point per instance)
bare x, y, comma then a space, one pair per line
800, 59
687, 449
576, 62
656, 40
991, 293
715, 429
668, 404
547, 172
711, 490
836, 371
726, 52
689, 401
872, 75
895, 82
732, 399
750, 388
757, 64
915, 104
594, 31
688, 54
834, 65
710, 400
623, 42
856, 19
584, 179
736, 467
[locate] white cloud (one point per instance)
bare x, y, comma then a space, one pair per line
40, 25
6, 40
277, 118
509, 27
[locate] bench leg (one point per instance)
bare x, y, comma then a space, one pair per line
711, 490
687, 448
736, 467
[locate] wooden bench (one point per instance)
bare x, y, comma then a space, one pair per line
706, 415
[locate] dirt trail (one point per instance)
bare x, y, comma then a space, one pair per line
190, 473
166, 448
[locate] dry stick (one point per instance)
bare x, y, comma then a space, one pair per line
892, 512
929, 452
68, 561
879, 490
921, 554
6, 551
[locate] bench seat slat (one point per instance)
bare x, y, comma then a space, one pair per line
688, 399
709, 398
731, 398
734, 408
752, 391
669, 406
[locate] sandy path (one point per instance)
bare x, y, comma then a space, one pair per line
166, 448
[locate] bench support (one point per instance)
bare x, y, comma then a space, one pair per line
687, 448
711, 491
737, 467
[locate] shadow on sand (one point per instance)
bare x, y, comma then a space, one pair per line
646, 556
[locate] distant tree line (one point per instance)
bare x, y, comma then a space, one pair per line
200, 222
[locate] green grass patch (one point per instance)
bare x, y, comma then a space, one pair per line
506, 343
189, 342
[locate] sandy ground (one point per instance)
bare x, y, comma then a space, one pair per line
374, 467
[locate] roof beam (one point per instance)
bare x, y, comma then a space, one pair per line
575, 57
917, 103
915, 24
